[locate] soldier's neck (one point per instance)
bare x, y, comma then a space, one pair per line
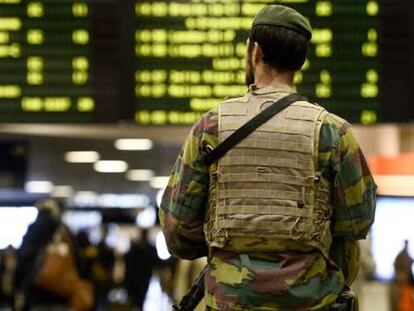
265, 77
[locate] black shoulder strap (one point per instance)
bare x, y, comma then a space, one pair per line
250, 127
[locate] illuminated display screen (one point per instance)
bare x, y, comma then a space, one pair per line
190, 55
159, 62
391, 228
58, 61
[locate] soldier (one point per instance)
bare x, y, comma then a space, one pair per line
280, 214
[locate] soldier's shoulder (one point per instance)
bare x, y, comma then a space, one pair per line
330, 118
336, 121
307, 104
334, 129
243, 99
207, 123
207, 116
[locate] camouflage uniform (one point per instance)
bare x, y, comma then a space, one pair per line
292, 277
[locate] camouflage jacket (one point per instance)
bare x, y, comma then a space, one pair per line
290, 280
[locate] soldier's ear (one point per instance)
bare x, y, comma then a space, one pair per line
257, 54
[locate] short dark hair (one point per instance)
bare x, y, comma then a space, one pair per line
283, 49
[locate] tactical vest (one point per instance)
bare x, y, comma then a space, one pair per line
267, 192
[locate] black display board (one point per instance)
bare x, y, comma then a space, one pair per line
159, 62
190, 56
60, 61
397, 61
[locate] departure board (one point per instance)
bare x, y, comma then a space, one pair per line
59, 61
166, 62
190, 56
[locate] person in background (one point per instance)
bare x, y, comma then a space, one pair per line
37, 237
280, 215
404, 280
8, 266
87, 252
140, 261
102, 271
403, 265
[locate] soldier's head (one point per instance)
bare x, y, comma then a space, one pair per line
279, 40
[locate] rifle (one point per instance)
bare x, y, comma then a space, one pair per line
193, 297
347, 301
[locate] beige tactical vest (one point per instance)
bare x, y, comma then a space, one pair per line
266, 192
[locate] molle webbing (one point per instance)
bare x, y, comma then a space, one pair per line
264, 161
266, 177
249, 127
271, 226
265, 210
267, 184
263, 193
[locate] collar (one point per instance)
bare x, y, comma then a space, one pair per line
283, 88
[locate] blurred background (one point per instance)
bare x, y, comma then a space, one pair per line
97, 96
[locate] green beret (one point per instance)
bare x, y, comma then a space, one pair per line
282, 16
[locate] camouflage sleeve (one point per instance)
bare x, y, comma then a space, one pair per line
345, 253
183, 204
354, 188
342, 161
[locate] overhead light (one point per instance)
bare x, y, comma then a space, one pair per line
159, 182
147, 218
108, 200
133, 144
81, 220
111, 166
86, 199
123, 200
140, 175
62, 191
39, 186
133, 200
81, 156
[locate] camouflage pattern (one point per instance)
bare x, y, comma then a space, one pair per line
299, 278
